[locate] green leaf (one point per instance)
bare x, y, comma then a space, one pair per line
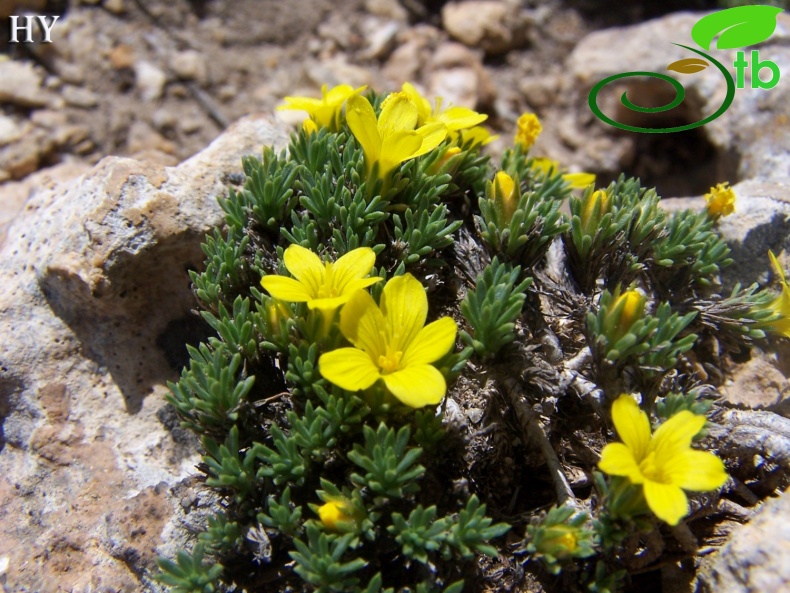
737, 27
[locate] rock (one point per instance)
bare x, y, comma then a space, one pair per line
755, 557
16, 193
380, 37
189, 65
21, 84
490, 25
458, 86
405, 62
22, 157
142, 137
150, 80
115, 6
77, 96
95, 280
122, 56
389, 9
10, 131
750, 133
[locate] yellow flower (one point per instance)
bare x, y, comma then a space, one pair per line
455, 118
528, 129
325, 112
336, 515
575, 180
720, 200
781, 304
392, 138
390, 343
323, 286
663, 463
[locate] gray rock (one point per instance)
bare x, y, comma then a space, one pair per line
755, 558
95, 298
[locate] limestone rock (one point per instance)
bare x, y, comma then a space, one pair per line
755, 558
95, 309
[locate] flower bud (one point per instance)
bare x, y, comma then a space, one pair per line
622, 314
337, 515
594, 206
446, 164
504, 191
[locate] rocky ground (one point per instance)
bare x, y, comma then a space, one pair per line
95, 474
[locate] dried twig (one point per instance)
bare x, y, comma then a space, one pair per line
533, 429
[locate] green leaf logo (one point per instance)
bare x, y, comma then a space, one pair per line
736, 27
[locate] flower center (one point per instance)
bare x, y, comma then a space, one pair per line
390, 361
649, 468
328, 290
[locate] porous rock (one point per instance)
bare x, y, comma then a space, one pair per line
755, 557
95, 310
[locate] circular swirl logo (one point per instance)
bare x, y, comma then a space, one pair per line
680, 94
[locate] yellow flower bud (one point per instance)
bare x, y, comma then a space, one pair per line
334, 513
720, 200
506, 193
446, 164
561, 543
309, 126
594, 206
624, 311
277, 312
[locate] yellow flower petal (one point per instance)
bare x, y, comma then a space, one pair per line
285, 289
396, 148
432, 136
398, 114
354, 265
617, 460
632, 426
362, 323
404, 305
348, 368
305, 266
459, 118
674, 436
579, 180
417, 386
431, 342
667, 501
421, 103
696, 470
777, 266
362, 120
